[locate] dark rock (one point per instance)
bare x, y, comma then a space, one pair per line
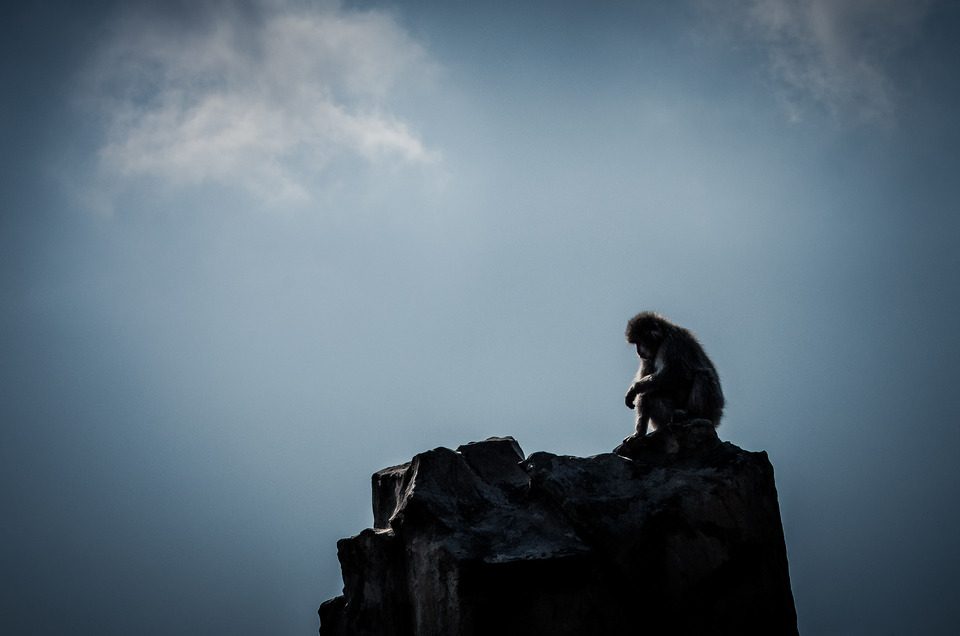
673, 442
678, 533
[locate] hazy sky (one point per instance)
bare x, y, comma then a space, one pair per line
251, 253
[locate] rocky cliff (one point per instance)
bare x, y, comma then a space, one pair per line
676, 532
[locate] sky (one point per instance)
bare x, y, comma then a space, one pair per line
253, 252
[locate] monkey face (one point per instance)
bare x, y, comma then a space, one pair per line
645, 351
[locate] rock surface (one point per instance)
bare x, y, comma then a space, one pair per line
676, 532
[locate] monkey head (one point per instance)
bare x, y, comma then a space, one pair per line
645, 330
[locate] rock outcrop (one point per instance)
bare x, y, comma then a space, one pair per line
676, 532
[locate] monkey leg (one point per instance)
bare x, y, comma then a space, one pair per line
643, 422
643, 417
656, 407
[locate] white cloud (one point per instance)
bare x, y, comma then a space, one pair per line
263, 100
832, 53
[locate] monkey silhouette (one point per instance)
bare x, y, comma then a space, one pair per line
676, 380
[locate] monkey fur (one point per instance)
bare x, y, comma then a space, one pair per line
676, 380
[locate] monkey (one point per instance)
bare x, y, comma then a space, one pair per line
676, 380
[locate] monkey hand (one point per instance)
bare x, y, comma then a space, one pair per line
631, 397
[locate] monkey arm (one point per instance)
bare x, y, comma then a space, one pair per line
669, 369
666, 374
631, 397
660, 380
635, 389
649, 384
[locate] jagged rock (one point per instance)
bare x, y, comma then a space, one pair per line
678, 533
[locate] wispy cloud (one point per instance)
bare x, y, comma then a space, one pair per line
264, 100
833, 54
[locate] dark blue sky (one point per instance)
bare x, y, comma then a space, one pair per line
251, 253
